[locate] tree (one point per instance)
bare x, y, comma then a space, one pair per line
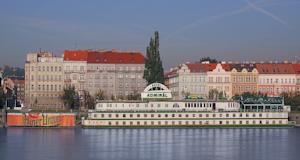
2, 97
210, 60
112, 97
134, 96
100, 95
89, 101
70, 97
292, 99
154, 71
213, 94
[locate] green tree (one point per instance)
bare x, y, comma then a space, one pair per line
292, 99
2, 97
154, 71
70, 97
134, 96
112, 97
210, 60
89, 101
13, 71
213, 94
100, 95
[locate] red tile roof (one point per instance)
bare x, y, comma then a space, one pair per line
199, 67
280, 68
76, 55
110, 57
296, 68
171, 73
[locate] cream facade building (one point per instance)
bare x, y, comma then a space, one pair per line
43, 81
220, 79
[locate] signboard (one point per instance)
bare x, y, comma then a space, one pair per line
156, 91
41, 119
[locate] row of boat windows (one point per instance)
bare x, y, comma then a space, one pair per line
175, 105
175, 115
200, 105
191, 122
197, 104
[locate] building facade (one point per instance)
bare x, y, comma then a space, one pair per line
19, 84
188, 80
297, 72
271, 79
220, 79
75, 69
43, 81
275, 79
244, 78
116, 73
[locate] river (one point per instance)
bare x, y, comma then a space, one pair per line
156, 144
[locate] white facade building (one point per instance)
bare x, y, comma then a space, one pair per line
188, 80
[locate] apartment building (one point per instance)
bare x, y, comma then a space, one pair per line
43, 81
297, 72
117, 73
275, 79
244, 78
187, 80
19, 84
75, 69
219, 78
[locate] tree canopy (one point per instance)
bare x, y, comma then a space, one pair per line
71, 97
154, 71
208, 59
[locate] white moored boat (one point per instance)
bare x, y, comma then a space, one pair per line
156, 109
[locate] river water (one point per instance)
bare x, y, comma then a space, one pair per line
156, 144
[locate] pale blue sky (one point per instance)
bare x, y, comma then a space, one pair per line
189, 29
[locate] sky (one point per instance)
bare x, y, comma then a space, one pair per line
229, 30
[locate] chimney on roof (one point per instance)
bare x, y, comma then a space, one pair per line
223, 62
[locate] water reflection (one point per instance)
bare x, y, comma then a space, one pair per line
150, 144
